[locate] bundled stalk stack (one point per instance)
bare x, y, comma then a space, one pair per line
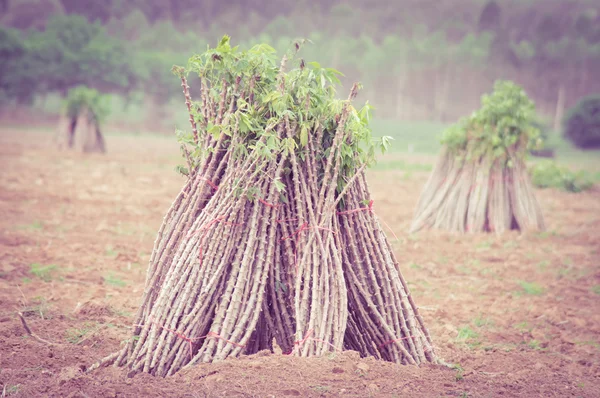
270, 239
480, 182
79, 126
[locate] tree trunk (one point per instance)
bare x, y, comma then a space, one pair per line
560, 108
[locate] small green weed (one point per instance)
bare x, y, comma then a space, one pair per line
484, 246
468, 336
443, 260
120, 312
523, 327
535, 345
542, 265
511, 244
459, 372
595, 289
564, 272
590, 343
321, 389
415, 266
481, 322
39, 307
531, 288
75, 335
114, 281
11, 390
44, 272
34, 226
463, 269
475, 263
125, 229
466, 333
110, 252
487, 271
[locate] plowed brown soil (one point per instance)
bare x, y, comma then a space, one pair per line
519, 313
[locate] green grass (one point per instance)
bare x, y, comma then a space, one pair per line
459, 372
111, 252
466, 333
34, 226
523, 327
39, 307
75, 335
11, 389
567, 153
595, 289
483, 246
463, 269
114, 281
531, 288
535, 345
321, 389
124, 229
542, 265
468, 336
481, 322
588, 343
44, 272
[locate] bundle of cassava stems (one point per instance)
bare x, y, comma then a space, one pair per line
272, 240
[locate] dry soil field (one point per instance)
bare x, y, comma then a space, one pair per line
519, 315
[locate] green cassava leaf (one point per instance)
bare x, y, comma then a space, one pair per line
303, 136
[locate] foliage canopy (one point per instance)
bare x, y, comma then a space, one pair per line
81, 97
582, 123
503, 126
304, 93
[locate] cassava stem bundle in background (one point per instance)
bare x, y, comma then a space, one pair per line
271, 237
480, 182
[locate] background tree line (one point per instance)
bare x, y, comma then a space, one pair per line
418, 59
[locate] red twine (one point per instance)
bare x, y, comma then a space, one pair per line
178, 334
370, 210
189, 340
287, 219
264, 202
305, 227
212, 184
205, 229
299, 343
396, 340
216, 336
